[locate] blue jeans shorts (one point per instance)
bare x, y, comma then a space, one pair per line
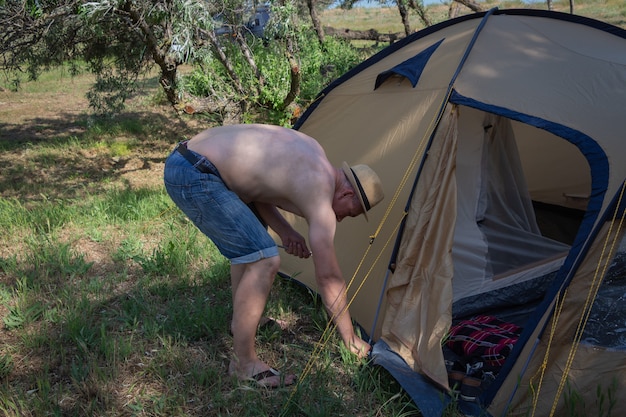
217, 211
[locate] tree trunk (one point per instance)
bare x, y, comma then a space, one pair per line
404, 15
295, 77
221, 56
419, 8
453, 10
168, 83
366, 35
168, 65
317, 24
475, 7
247, 53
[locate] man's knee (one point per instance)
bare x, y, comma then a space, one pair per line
272, 264
264, 267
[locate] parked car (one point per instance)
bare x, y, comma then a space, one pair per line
257, 23
223, 28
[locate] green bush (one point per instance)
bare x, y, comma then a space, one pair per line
320, 64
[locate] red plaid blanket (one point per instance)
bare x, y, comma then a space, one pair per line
484, 337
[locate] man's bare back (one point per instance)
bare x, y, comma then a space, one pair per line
269, 164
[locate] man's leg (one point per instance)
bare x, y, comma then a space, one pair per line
236, 272
235, 276
251, 284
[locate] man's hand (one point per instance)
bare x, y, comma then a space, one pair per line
295, 244
360, 347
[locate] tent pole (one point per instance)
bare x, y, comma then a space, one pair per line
378, 306
394, 254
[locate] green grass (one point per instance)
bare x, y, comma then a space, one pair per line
142, 329
387, 19
113, 304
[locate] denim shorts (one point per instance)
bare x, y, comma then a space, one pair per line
217, 211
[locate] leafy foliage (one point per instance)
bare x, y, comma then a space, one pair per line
118, 40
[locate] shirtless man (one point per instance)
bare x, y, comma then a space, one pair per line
226, 179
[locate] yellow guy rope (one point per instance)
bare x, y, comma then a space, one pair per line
544, 364
591, 295
559, 303
330, 326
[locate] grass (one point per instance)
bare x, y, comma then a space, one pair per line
387, 20
113, 304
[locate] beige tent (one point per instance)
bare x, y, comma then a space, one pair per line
500, 138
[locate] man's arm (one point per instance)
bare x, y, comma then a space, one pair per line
331, 285
294, 242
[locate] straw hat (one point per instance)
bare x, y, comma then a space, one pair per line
366, 182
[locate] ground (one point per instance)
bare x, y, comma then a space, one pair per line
59, 112
55, 110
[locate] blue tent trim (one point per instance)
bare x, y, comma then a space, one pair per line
430, 400
411, 68
378, 57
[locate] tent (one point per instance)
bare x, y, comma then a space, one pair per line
500, 138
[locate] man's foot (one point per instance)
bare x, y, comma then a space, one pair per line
270, 321
271, 378
268, 378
